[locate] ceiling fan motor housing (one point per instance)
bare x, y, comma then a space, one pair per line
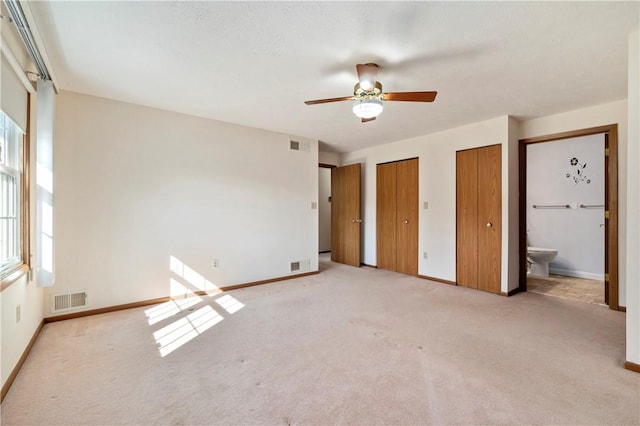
375, 92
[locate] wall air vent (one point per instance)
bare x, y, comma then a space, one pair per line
299, 146
301, 265
67, 301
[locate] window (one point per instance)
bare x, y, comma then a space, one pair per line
12, 196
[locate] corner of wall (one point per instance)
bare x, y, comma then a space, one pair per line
633, 203
17, 332
510, 206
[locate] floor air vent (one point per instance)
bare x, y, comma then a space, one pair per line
295, 266
64, 302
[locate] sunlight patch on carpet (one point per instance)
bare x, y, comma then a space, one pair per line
168, 309
229, 303
182, 331
193, 316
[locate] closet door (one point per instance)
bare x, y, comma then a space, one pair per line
407, 217
489, 218
386, 222
397, 216
467, 218
478, 218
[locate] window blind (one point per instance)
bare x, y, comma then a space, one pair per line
13, 95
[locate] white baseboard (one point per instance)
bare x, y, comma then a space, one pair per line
576, 274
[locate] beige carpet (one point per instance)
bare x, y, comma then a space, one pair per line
347, 346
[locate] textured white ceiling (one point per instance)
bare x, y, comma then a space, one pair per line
255, 63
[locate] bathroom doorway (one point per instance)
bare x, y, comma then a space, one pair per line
572, 206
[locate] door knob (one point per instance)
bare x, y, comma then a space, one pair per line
489, 224
359, 220
353, 221
406, 221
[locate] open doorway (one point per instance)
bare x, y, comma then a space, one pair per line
339, 213
568, 215
324, 208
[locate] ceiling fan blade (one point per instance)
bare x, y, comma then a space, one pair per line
410, 96
365, 120
324, 101
367, 75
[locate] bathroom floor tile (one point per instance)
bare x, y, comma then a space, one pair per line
584, 290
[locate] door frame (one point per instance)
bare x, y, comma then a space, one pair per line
611, 204
326, 166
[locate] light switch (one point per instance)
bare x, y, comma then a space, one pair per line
426, 205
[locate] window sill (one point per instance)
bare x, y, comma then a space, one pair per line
13, 276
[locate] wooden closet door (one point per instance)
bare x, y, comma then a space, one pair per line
407, 217
386, 222
489, 218
345, 214
467, 218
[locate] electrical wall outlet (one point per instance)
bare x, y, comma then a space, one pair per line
18, 313
424, 255
314, 205
426, 205
215, 263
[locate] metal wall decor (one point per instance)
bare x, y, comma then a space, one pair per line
577, 173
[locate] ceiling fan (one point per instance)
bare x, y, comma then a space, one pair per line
368, 95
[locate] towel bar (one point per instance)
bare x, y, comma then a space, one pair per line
552, 206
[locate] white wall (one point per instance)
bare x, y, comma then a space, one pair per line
16, 335
598, 115
324, 209
633, 204
437, 186
330, 158
137, 185
577, 233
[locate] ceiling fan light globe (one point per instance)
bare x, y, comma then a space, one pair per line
367, 108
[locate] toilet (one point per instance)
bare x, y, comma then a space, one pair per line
539, 259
